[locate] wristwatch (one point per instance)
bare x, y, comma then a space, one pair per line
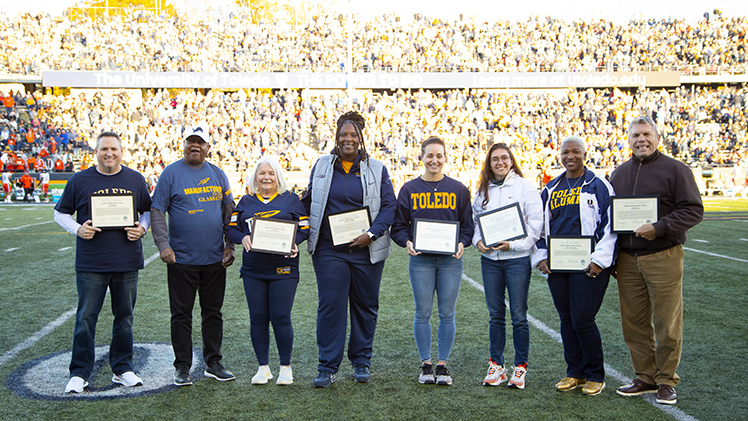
372, 237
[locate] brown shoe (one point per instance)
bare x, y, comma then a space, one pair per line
666, 395
636, 388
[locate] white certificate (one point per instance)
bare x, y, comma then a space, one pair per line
436, 237
112, 210
346, 226
502, 224
569, 254
275, 236
631, 212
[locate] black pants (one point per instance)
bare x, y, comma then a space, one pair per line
185, 281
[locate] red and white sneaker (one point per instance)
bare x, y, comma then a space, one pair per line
496, 374
518, 378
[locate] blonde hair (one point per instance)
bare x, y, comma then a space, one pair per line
280, 177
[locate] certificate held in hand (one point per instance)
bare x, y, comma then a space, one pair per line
502, 224
276, 236
435, 237
347, 225
569, 253
112, 211
631, 212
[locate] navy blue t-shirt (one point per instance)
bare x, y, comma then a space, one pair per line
280, 206
564, 207
108, 250
444, 200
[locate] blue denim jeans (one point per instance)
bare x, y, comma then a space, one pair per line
92, 287
442, 275
512, 275
578, 298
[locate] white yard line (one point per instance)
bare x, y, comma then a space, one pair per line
701, 241
64, 248
12, 249
609, 371
26, 226
31, 340
715, 254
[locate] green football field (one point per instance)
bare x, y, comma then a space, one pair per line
37, 285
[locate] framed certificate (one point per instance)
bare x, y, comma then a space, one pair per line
347, 225
502, 224
569, 253
276, 236
112, 211
628, 213
435, 237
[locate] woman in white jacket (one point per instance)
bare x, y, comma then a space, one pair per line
506, 265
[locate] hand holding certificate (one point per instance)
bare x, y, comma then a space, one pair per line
631, 212
112, 211
276, 236
346, 226
436, 237
503, 224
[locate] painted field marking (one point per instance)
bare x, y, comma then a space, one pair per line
701, 241
26, 226
12, 249
715, 255
46, 330
744, 239
64, 248
609, 371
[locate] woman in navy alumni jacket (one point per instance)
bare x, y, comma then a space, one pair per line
437, 197
346, 180
270, 280
577, 203
506, 265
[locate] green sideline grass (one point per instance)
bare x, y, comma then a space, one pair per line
37, 284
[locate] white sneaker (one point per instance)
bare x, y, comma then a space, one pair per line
285, 377
518, 378
496, 375
76, 385
127, 379
263, 375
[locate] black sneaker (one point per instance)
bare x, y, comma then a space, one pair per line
219, 373
182, 376
324, 379
361, 374
426, 375
443, 378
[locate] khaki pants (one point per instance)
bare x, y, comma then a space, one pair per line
650, 289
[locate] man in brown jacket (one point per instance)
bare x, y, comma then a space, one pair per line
650, 262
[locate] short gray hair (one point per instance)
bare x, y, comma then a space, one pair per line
108, 133
642, 120
280, 177
574, 139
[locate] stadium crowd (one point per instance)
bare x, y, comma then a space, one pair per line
212, 42
704, 125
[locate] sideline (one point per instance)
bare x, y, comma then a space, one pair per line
31, 340
609, 371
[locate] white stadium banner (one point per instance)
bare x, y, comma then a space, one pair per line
188, 80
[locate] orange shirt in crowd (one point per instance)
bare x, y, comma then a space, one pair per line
20, 164
9, 102
40, 166
30, 136
43, 153
59, 165
31, 162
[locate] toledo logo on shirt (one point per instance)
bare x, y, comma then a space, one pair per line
434, 200
565, 197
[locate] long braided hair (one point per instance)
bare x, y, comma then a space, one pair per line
359, 123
